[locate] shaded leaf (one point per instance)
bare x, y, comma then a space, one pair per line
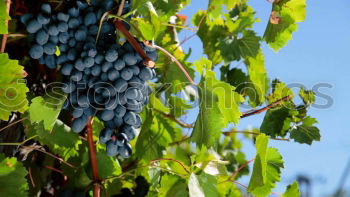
292, 190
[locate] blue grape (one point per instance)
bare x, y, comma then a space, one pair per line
62, 27
129, 59
33, 26
131, 93
113, 74
146, 74
107, 115
108, 92
36, 51
106, 28
72, 42
136, 82
62, 59
135, 69
80, 35
83, 54
92, 53
62, 17
121, 99
73, 12
53, 31
25, 18
117, 121
104, 77
49, 48
120, 111
106, 66
93, 30
53, 39
50, 61
72, 53
96, 70
127, 47
121, 139
77, 113
90, 111
133, 105
105, 135
111, 105
73, 23
121, 85
130, 118
87, 71
41, 37
81, 5
63, 37
89, 62
126, 73
63, 48
67, 69
46, 8
111, 55
107, 4
138, 121
90, 19
153, 55
68, 88
76, 76
79, 124
112, 148
43, 19
129, 131
42, 60
125, 151
79, 65
83, 101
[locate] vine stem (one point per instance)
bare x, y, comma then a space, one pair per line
93, 160
4, 37
250, 113
176, 62
120, 26
237, 171
13, 123
174, 160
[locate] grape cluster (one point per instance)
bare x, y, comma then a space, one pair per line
103, 78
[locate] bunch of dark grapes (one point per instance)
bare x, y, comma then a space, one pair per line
102, 76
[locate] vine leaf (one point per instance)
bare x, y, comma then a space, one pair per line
276, 122
283, 22
12, 177
292, 190
306, 133
202, 185
46, 109
3, 17
258, 77
172, 185
267, 168
13, 88
218, 106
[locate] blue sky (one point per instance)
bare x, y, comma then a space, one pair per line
318, 53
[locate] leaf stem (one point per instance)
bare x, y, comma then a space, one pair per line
182, 124
177, 63
93, 160
237, 171
174, 160
4, 37
147, 61
257, 111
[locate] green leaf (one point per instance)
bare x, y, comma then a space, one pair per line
276, 121
172, 186
202, 185
107, 166
233, 48
45, 109
12, 177
283, 22
305, 134
156, 133
258, 177
3, 17
61, 140
218, 107
13, 89
308, 96
257, 76
274, 163
279, 90
292, 190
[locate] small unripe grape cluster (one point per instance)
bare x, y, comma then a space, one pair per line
102, 78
